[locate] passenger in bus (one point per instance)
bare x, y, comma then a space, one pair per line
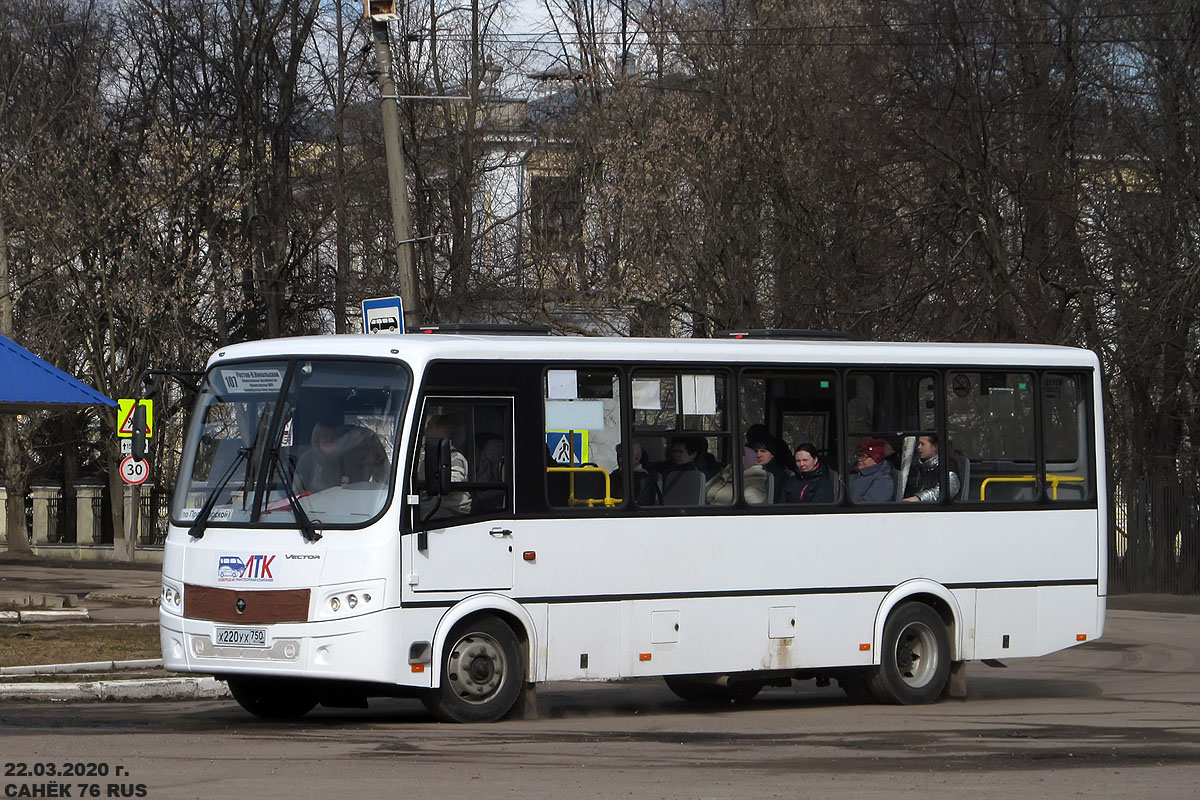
443, 426
645, 486
812, 483
340, 455
765, 458
684, 453
871, 480
489, 468
758, 434
924, 484
719, 491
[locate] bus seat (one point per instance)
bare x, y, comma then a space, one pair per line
839, 486
964, 479
647, 488
683, 488
589, 485
770, 488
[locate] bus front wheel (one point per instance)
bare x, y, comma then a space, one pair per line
273, 699
481, 673
914, 661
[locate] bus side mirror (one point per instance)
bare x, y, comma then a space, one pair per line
437, 466
138, 445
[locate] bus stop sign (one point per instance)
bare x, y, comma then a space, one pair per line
383, 315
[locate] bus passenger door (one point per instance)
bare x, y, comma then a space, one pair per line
463, 538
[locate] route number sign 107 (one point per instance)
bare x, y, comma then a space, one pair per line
134, 472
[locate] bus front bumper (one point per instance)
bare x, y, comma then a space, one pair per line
355, 649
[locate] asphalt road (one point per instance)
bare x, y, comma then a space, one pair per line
1119, 717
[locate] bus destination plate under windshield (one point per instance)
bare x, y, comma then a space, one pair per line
241, 637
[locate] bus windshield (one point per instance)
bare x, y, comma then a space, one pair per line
266, 435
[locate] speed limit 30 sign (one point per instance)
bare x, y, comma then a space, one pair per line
134, 472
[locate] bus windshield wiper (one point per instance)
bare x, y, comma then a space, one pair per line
308, 528
242, 456
201, 522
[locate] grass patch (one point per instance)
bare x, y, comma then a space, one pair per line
66, 643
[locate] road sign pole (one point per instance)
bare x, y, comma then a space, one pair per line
397, 181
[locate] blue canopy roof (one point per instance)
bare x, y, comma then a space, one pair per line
27, 383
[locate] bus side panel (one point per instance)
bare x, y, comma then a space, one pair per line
585, 641
669, 637
1034, 621
1006, 622
1068, 615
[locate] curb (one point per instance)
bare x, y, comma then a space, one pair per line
144, 689
84, 666
43, 615
121, 598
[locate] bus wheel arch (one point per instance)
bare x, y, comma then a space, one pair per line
914, 656
507, 610
930, 593
481, 668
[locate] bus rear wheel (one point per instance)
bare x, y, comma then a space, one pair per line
481, 673
914, 658
273, 698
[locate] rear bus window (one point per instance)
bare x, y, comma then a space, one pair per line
1066, 434
990, 422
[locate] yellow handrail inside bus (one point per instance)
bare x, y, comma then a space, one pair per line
608, 500
1053, 479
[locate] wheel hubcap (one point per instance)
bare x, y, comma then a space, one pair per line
916, 654
476, 667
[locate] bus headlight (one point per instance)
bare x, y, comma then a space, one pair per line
340, 602
171, 597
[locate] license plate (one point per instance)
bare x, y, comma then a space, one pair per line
242, 637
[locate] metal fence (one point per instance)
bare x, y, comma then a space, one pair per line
154, 517
1154, 544
67, 521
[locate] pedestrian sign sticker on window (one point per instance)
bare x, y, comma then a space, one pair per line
568, 448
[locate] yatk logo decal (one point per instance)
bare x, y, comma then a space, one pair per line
255, 568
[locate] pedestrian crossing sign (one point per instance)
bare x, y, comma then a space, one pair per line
125, 410
568, 448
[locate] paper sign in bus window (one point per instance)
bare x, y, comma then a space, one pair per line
574, 415
647, 394
699, 394
252, 381
562, 384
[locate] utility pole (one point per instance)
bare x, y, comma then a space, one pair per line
380, 12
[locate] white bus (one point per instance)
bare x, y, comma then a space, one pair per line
445, 516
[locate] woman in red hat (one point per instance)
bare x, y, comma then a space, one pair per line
871, 481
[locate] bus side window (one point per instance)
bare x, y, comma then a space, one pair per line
1066, 437
887, 413
583, 431
787, 408
991, 435
480, 432
681, 418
